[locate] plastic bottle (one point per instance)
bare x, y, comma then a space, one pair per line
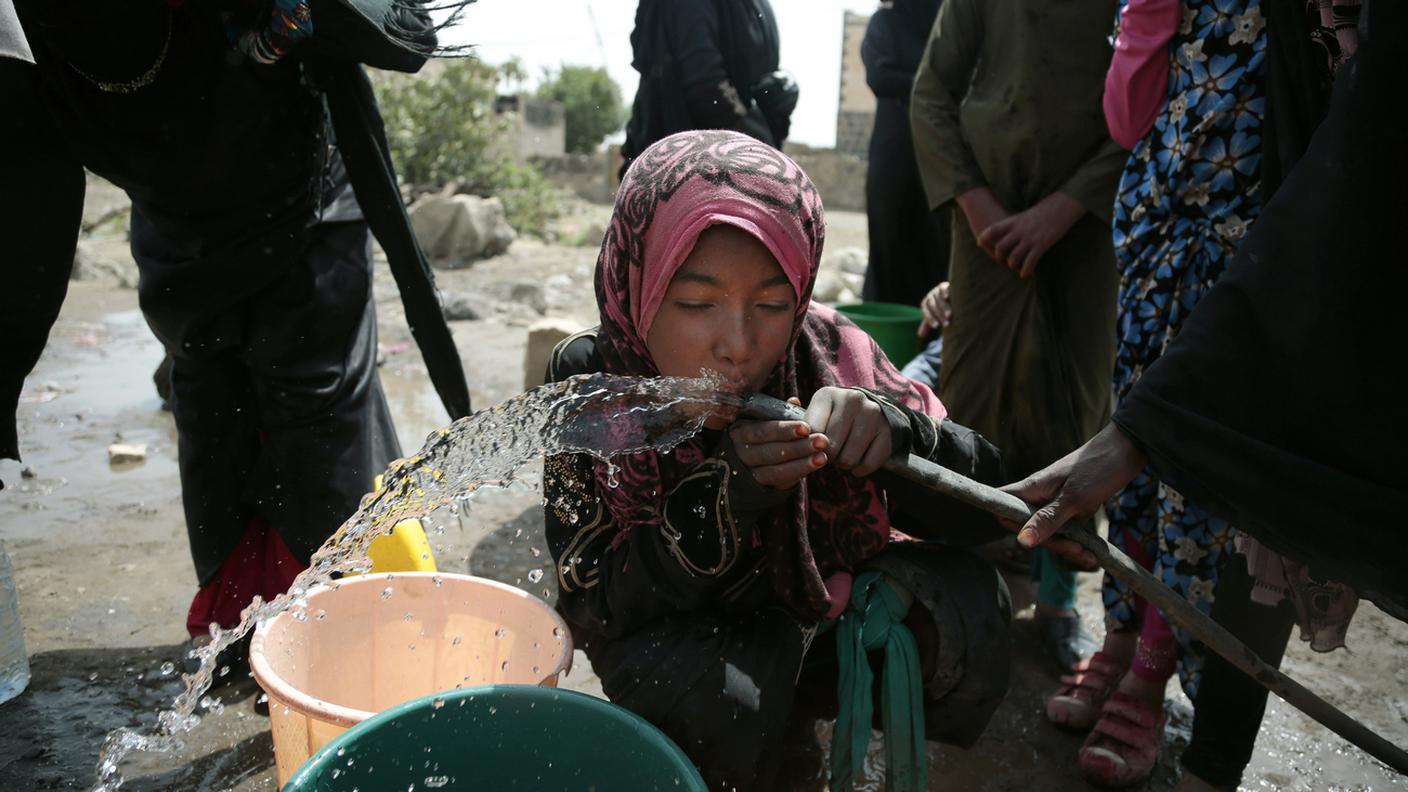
14, 663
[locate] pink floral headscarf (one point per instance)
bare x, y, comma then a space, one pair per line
674, 190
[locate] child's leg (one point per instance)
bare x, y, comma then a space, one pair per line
1056, 582
1133, 515
1192, 547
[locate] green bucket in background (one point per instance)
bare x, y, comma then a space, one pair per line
501, 737
894, 327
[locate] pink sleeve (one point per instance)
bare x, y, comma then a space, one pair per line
1137, 82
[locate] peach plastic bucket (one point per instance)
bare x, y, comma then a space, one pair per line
360, 650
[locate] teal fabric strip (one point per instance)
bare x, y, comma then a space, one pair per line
872, 621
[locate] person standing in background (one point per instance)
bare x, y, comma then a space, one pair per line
254, 253
1008, 125
707, 64
908, 243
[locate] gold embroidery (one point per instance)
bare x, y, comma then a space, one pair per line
719, 471
569, 578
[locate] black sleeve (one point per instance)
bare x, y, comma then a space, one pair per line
920, 511
887, 77
614, 578
399, 38
41, 208
693, 31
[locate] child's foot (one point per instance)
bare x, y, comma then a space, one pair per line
1076, 704
1123, 747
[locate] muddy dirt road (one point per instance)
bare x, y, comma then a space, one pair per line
105, 576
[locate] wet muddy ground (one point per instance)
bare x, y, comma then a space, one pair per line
105, 576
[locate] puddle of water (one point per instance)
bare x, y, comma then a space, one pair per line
92, 385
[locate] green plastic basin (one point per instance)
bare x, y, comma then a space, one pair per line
497, 737
893, 326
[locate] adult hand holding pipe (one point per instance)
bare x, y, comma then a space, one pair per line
1175, 608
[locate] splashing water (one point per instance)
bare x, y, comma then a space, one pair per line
601, 415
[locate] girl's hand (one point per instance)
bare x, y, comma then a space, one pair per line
938, 311
780, 453
855, 427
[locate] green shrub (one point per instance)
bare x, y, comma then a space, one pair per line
591, 100
442, 129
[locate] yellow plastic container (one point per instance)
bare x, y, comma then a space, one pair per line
405, 549
371, 642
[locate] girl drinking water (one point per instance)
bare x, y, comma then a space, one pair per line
705, 584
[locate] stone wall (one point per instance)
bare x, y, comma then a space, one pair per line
838, 175
853, 133
855, 108
592, 177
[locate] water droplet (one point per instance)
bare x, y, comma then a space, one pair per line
167, 669
439, 581
456, 641
437, 703
557, 632
534, 575
435, 782
386, 593
535, 551
499, 633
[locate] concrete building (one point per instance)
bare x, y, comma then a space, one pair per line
855, 112
539, 126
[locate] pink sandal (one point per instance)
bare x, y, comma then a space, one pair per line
1077, 703
1124, 746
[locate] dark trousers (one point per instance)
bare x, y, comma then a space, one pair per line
278, 408
1230, 705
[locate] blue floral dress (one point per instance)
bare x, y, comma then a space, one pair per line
1187, 197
